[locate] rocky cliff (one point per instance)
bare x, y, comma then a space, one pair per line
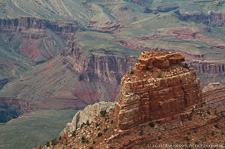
211, 19
11, 108
99, 64
160, 86
214, 95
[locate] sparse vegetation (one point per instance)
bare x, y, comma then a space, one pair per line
74, 133
88, 124
186, 65
111, 121
132, 72
99, 134
83, 140
54, 142
97, 124
216, 126
141, 132
159, 137
105, 129
103, 113
47, 144
151, 124
94, 142
82, 125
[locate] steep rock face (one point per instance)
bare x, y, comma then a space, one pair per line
211, 19
208, 67
99, 64
214, 95
88, 114
158, 87
11, 108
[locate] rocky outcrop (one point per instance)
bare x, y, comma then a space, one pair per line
214, 95
159, 87
211, 19
208, 67
11, 108
88, 114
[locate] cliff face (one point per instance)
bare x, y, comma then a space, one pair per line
24, 23
158, 87
211, 19
11, 108
214, 95
99, 64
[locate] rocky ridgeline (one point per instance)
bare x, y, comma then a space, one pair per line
159, 87
88, 114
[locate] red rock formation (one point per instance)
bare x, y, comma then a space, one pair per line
158, 87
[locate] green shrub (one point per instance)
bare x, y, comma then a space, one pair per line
111, 121
47, 144
103, 113
159, 137
88, 123
208, 112
216, 126
54, 141
186, 65
141, 132
152, 124
99, 134
97, 124
74, 133
91, 147
83, 140
132, 72
105, 129
82, 125
94, 142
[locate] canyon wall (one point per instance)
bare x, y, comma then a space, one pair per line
211, 19
11, 108
214, 95
99, 64
158, 87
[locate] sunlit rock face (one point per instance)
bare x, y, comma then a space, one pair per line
159, 87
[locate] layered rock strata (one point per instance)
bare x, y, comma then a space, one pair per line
214, 95
159, 87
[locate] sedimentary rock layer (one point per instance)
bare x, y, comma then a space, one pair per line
163, 90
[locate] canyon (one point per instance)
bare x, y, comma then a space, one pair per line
189, 116
66, 55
